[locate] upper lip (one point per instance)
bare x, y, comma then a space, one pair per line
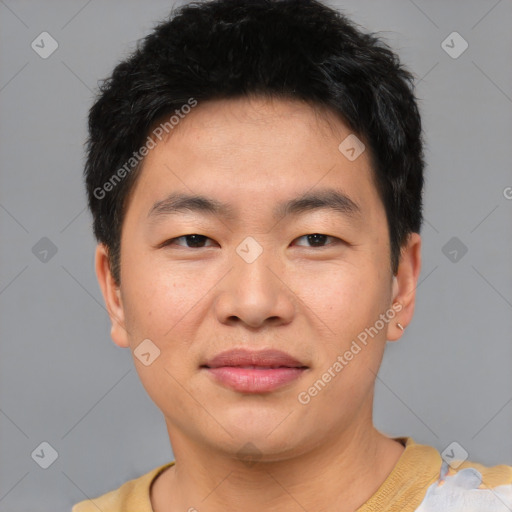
245, 357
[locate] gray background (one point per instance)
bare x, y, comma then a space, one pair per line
63, 381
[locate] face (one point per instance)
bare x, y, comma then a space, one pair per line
288, 250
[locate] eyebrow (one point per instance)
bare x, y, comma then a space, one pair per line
324, 199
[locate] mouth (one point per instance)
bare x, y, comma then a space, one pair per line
254, 371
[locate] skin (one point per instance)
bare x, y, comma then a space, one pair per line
309, 301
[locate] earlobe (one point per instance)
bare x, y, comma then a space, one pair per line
112, 296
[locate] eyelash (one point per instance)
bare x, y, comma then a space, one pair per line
171, 240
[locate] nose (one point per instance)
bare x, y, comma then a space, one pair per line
255, 293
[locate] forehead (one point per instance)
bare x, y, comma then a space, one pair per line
251, 151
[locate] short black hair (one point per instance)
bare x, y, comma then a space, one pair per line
289, 49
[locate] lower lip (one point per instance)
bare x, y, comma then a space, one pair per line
249, 380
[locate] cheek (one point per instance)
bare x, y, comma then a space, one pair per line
342, 296
160, 294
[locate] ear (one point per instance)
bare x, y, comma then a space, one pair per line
112, 297
404, 286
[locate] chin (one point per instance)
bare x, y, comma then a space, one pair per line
267, 438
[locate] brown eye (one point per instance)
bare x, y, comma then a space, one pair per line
319, 240
193, 241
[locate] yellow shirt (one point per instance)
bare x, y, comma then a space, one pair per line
420, 482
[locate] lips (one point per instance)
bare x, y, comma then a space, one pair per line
254, 359
248, 371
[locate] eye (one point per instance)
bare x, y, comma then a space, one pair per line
318, 239
196, 241
192, 241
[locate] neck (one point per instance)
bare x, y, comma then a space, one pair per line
340, 475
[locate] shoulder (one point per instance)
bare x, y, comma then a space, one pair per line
470, 487
132, 495
425, 480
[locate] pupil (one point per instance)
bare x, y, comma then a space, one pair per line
314, 238
197, 240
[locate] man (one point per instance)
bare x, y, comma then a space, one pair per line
255, 175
